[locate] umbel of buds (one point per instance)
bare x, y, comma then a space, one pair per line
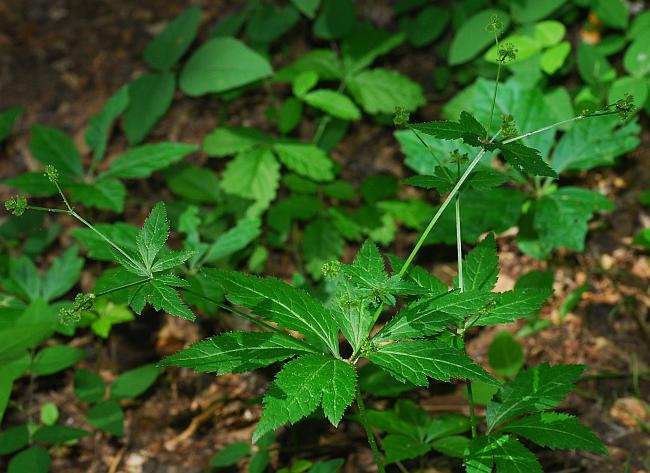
331, 269
16, 205
508, 127
401, 116
72, 315
52, 173
495, 25
625, 106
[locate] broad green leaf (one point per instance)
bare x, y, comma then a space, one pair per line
374, 380
414, 361
365, 44
33, 183
334, 103
402, 447
512, 305
323, 62
556, 430
526, 11
508, 454
289, 115
419, 276
321, 243
594, 142
253, 175
106, 314
56, 358
639, 25
549, 32
7, 119
336, 19
163, 297
135, 382
614, 13
426, 27
237, 352
32, 460
222, 64
281, 216
278, 302
307, 7
62, 275
6, 386
107, 416
24, 279
89, 386
153, 235
553, 58
226, 141
13, 439
194, 184
637, 56
122, 234
452, 446
230, 454
527, 47
150, 95
235, 239
306, 160
269, 22
163, 51
593, 65
26, 330
51, 146
411, 213
49, 414
55, 434
505, 354
533, 390
472, 37
481, 266
99, 126
102, 194
167, 259
302, 385
378, 187
143, 160
368, 268
526, 160
382, 90
561, 218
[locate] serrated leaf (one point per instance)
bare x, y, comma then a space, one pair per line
525, 159
150, 96
51, 146
382, 90
414, 361
419, 276
99, 126
321, 243
253, 175
508, 454
24, 279
170, 259
472, 37
365, 44
226, 141
163, 297
505, 354
533, 390
153, 235
304, 384
62, 275
481, 266
102, 194
143, 160
236, 352
556, 430
417, 320
235, 239
278, 302
222, 64
122, 234
306, 160
512, 305
402, 447
163, 51
594, 142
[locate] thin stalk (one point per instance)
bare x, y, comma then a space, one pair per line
494, 97
369, 434
47, 209
472, 413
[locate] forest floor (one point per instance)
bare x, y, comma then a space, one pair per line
63, 59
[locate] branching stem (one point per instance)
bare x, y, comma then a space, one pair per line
371, 436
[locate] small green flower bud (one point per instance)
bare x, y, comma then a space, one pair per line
331, 269
401, 116
625, 106
69, 316
16, 205
494, 25
83, 301
458, 157
508, 127
507, 53
52, 173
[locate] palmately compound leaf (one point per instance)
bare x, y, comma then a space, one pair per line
153, 235
278, 302
302, 385
481, 266
306, 160
533, 390
237, 352
381, 90
556, 430
413, 361
367, 270
512, 305
164, 297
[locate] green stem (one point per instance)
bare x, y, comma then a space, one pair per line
494, 97
368, 429
47, 209
472, 411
